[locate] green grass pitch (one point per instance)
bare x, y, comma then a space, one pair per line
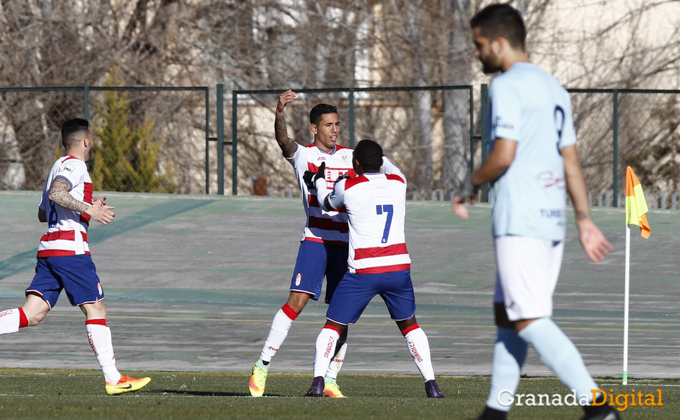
70, 394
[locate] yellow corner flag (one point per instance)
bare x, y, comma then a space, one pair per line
636, 205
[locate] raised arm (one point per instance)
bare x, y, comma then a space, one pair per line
593, 241
287, 145
60, 195
390, 168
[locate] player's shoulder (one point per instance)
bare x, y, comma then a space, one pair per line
351, 182
343, 148
70, 162
395, 177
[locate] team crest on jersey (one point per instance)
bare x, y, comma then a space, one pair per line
298, 279
344, 159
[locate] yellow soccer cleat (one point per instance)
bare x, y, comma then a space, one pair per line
331, 388
257, 381
126, 384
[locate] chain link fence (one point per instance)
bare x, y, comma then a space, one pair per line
159, 138
636, 128
425, 131
147, 139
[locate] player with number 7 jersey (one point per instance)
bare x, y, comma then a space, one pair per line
378, 262
375, 204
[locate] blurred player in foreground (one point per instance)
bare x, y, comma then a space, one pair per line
532, 159
323, 250
378, 263
64, 260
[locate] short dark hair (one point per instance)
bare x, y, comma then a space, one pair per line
319, 110
369, 154
72, 129
501, 20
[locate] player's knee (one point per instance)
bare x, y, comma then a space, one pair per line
298, 301
35, 318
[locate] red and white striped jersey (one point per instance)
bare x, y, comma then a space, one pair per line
67, 231
376, 207
323, 226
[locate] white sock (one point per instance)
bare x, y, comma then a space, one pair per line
417, 344
509, 354
100, 340
11, 320
561, 355
325, 349
337, 360
278, 332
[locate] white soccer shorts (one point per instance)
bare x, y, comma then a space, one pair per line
527, 274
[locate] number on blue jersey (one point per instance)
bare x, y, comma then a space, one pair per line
559, 125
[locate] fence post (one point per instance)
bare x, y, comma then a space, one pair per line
615, 132
220, 139
86, 103
485, 130
207, 140
472, 130
234, 142
351, 118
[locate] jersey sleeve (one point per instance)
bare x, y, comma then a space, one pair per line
567, 133
73, 171
330, 200
297, 156
390, 168
505, 110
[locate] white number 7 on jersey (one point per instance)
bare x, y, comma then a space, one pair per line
389, 209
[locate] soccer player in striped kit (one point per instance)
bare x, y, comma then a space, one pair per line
64, 260
378, 263
533, 162
323, 249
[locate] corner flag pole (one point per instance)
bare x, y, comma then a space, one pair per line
636, 207
624, 376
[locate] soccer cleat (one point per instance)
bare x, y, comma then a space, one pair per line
493, 414
126, 384
611, 414
331, 388
432, 389
257, 381
316, 390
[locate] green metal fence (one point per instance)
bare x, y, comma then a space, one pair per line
427, 131
432, 133
175, 121
629, 127
615, 128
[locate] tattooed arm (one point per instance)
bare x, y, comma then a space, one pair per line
287, 145
59, 194
593, 241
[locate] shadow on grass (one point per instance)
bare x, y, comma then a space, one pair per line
207, 393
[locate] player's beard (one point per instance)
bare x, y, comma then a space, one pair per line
490, 64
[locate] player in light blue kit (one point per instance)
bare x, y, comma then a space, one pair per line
532, 161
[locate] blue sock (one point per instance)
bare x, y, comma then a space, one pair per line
508, 357
561, 355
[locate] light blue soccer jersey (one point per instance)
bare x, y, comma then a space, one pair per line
530, 106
